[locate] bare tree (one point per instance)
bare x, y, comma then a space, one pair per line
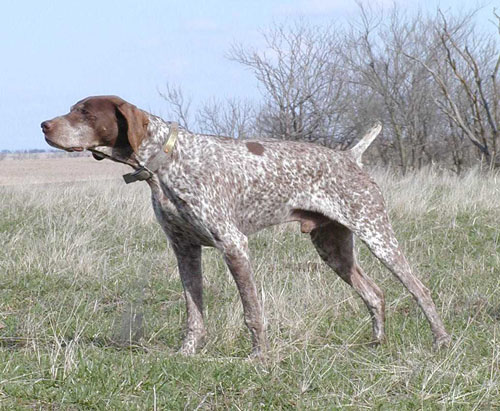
375, 54
466, 72
326, 85
231, 117
179, 106
301, 79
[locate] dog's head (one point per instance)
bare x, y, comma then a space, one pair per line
101, 124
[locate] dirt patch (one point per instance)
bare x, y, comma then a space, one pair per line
58, 170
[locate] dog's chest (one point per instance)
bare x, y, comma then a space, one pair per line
179, 220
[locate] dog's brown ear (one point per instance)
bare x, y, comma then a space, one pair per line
137, 122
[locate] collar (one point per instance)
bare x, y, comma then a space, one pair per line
146, 171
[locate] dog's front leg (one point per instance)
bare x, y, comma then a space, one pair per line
189, 262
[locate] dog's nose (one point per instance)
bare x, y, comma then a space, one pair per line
46, 126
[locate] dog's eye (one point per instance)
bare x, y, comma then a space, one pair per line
80, 110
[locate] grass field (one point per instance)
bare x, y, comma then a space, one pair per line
92, 312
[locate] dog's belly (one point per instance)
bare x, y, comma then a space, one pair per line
256, 219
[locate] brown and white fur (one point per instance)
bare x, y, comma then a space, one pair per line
215, 191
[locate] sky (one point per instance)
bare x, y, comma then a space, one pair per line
54, 53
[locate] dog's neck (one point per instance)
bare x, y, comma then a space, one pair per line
158, 134
155, 150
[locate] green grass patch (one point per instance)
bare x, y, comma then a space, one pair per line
92, 310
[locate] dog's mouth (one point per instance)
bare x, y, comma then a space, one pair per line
70, 149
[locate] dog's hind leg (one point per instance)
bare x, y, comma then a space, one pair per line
334, 243
378, 235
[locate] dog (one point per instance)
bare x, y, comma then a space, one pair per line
215, 191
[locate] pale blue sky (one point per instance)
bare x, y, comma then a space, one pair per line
53, 53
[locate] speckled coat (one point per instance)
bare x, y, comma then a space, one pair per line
215, 191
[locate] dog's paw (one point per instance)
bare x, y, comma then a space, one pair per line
188, 348
443, 341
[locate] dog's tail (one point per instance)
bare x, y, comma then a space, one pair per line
358, 150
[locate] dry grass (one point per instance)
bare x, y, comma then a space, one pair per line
56, 169
85, 268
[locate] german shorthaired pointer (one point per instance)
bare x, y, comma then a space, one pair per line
215, 191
